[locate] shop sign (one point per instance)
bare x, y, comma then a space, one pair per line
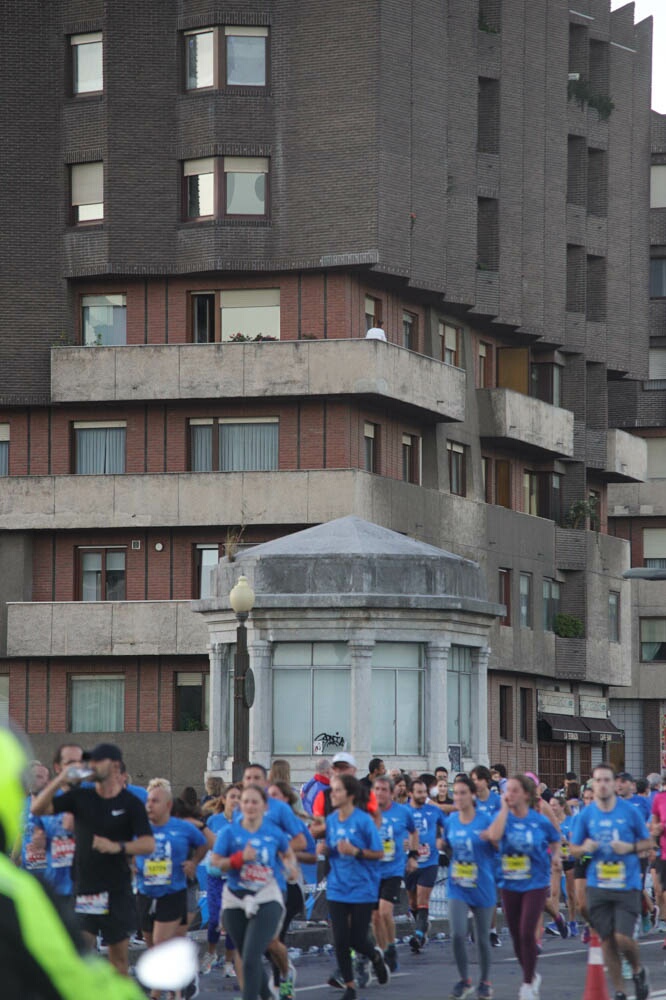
556, 702
569, 736
592, 708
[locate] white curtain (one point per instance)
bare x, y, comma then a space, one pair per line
100, 451
98, 705
202, 448
248, 447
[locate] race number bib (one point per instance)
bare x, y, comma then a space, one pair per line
157, 871
254, 876
424, 852
611, 874
35, 857
516, 867
94, 904
389, 849
62, 852
465, 874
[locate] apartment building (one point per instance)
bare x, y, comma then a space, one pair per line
206, 206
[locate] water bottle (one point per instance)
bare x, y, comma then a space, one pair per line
78, 772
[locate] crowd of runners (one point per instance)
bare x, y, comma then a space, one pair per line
125, 863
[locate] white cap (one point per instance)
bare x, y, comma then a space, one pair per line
343, 758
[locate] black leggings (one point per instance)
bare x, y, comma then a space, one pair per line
251, 938
350, 923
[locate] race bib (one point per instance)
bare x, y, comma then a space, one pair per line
94, 904
465, 874
611, 874
35, 857
516, 867
157, 871
254, 876
424, 852
389, 849
62, 852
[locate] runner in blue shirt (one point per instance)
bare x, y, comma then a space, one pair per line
429, 822
214, 885
397, 828
524, 837
488, 801
613, 832
59, 830
471, 886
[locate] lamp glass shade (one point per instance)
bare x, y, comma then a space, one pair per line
241, 597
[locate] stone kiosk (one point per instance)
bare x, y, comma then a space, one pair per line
359, 638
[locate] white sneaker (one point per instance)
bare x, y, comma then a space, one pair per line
536, 985
207, 963
291, 974
229, 970
526, 992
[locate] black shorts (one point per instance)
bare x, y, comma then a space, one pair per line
660, 868
163, 909
422, 876
118, 924
612, 910
568, 864
389, 889
580, 867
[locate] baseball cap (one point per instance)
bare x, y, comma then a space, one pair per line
625, 776
104, 751
344, 758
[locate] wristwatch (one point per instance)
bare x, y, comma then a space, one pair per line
121, 845
359, 854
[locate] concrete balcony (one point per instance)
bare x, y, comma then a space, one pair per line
101, 628
626, 457
430, 389
506, 416
637, 499
648, 600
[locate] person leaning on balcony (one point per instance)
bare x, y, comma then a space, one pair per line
375, 333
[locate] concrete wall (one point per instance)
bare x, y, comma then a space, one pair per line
524, 420
16, 576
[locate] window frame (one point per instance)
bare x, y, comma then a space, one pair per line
410, 329
245, 31
614, 616
214, 31
483, 364
5, 448
642, 642
454, 357
506, 713
71, 682
658, 280
504, 594
457, 461
203, 678
216, 423
92, 425
411, 460
95, 38
220, 173
375, 319
525, 620
112, 305
371, 447
550, 602
191, 315
198, 549
103, 550
74, 208
313, 668
526, 715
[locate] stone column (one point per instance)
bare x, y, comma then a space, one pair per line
261, 713
480, 658
437, 659
218, 693
360, 651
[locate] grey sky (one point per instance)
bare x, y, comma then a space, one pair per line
657, 9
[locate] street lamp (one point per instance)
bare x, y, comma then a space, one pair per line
241, 599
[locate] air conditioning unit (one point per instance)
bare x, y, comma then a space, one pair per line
574, 77
136, 544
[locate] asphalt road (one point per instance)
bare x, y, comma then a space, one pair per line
432, 974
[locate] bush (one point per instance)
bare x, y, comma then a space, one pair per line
568, 626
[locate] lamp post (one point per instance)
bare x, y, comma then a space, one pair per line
241, 599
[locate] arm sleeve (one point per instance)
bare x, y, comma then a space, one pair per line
222, 843
409, 820
196, 837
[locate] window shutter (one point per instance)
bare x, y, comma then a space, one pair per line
654, 543
87, 183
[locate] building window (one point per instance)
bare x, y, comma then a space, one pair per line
200, 62
411, 458
192, 705
245, 185
87, 192
373, 312
551, 603
206, 558
658, 278
503, 483
397, 699
246, 56
614, 616
460, 711
201, 445
4, 699
487, 234
199, 188
250, 314
371, 447
99, 448
249, 445
4, 449
87, 63
315, 678
656, 457
203, 317
488, 115
483, 365
102, 574
486, 466
653, 639
542, 494
409, 328
594, 497
97, 703
104, 320
506, 712
654, 548
450, 344
526, 715
657, 363
504, 594
658, 186
546, 383
457, 468
526, 600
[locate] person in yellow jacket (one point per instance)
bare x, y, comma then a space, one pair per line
38, 956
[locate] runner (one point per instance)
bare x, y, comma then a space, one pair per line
248, 851
354, 847
523, 837
580, 870
471, 886
230, 801
613, 832
558, 925
488, 802
429, 822
33, 840
397, 828
658, 829
59, 831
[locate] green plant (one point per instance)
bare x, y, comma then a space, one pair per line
484, 26
309, 336
243, 338
190, 724
232, 542
580, 511
582, 93
568, 626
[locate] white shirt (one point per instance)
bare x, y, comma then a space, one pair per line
375, 333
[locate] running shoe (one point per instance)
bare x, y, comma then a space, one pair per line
573, 928
655, 917
526, 992
462, 990
552, 929
619, 995
192, 991
585, 936
229, 970
391, 958
646, 923
495, 939
562, 926
382, 970
536, 985
336, 980
539, 948
362, 973
207, 963
416, 942
349, 994
484, 992
286, 991
137, 942
627, 971
641, 984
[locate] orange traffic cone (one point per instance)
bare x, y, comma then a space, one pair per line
595, 984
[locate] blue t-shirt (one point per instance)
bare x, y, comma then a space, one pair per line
350, 880
285, 819
32, 859
642, 803
397, 823
161, 873
472, 868
490, 807
430, 822
267, 841
60, 848
608, 870
524, 851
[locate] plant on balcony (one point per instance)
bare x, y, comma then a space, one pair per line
568, 626
484, 26
580, 511
582, 93
243, 338
232, 542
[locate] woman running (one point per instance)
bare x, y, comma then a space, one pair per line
354, 847
471, 886
249, 852
228, 802
580, 871
523, 837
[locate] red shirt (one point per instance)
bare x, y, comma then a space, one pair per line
659, 810
318, 804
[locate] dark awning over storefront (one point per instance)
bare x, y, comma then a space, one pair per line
563, 727
603, 731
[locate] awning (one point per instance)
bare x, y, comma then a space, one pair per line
563, 727
603, 731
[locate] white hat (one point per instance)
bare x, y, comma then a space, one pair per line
343, 758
